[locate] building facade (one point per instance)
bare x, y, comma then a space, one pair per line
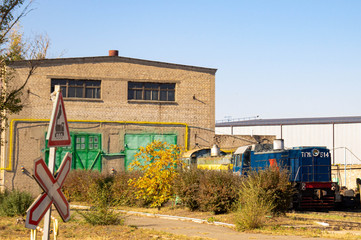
114, 105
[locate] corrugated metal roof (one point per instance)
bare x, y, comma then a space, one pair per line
241, 149
292, 121
189, 153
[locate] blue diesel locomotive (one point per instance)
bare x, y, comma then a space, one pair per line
309, 168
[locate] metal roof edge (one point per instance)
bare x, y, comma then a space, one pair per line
80, 60
293, 121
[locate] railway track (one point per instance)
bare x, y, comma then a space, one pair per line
345, 213
336, 220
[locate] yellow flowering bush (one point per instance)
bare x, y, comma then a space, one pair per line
158, 162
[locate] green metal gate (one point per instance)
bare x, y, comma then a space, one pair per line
86, 150
132, 143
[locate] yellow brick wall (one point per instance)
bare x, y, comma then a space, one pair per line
352, 172
114, 104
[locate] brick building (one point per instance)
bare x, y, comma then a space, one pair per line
113, 105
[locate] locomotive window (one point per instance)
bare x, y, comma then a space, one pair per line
247, 159
237, 160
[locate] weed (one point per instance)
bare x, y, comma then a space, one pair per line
100, 196
253, 206
211, 219
15, 203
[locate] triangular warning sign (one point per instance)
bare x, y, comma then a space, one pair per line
58, 131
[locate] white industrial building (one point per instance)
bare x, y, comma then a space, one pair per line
342, 135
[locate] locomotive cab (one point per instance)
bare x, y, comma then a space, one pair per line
310, 169
242, 160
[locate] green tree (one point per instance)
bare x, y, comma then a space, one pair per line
158, 162
14, 48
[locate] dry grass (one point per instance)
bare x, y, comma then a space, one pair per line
78, 229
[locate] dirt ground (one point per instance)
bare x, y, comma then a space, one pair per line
195, 229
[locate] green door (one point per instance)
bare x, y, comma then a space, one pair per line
59, 156
134, 141
86, 151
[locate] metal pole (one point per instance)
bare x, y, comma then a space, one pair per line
47, 219
345, 164
33, 234
333, 143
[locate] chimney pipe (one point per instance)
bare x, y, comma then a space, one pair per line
113, 53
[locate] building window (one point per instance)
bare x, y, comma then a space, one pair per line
77, 88
151, 91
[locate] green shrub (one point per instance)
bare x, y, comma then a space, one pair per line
123, 192
100, 191
76, 185
261, 193
102, 216
100, 196
205, 190
15, 203
277, 188
2, 196
219, 191
186, 187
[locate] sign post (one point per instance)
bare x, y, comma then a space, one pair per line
47, 220
58, 135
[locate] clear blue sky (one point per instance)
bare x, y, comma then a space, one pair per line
275, 58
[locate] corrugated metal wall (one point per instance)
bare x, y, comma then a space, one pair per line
349, 136
308, 135
250, 130
344, 140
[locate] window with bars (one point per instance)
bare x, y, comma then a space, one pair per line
151, 91
77, 88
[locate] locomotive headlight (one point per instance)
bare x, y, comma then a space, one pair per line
303, 186
333, 186
315, 152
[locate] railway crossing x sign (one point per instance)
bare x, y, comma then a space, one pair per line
58, 132
52, 192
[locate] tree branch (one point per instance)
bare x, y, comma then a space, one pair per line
7, 17
15, 92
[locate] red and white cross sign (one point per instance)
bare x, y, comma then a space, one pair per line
52, 192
